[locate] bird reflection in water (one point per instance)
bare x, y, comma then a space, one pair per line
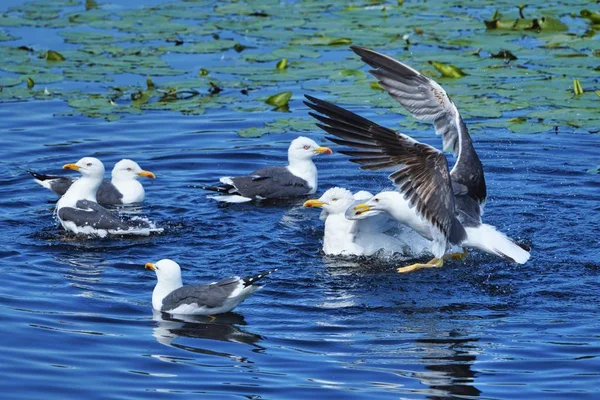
223, 327
448, 362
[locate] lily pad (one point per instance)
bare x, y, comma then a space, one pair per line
447, 70
279, 99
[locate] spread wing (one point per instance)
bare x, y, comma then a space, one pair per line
427, 101
421, 171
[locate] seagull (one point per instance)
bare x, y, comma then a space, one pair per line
362, 237
78, 211
172, 297
123, 188
298, 179
450, 202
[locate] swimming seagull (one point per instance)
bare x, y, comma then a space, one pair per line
362, 237
172, 297
297, 179
451, 202
78, 211
123, 188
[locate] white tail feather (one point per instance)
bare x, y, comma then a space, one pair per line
231, 198
45, 184
487, 238
226, 180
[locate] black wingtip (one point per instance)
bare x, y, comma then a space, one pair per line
37, 175
251, 280
359, 49
218, 189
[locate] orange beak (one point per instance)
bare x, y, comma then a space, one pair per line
74, 167
323, 150
150, 266
313, 203
147, 174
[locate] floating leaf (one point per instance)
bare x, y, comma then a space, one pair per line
149, 83
30, 83
594, 170
517, 120
203, 72
577, 87
340, 41
447, 70
282, 64
90, 4
279, 99
52, 55
376, 86
546, 24
593, 16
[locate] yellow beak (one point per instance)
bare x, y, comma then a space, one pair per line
147, 174
323, 150
313, 203
361, 208
74, 167
150, 266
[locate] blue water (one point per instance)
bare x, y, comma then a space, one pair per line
77, 319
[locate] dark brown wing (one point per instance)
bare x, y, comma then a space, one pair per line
421, 170
426, 100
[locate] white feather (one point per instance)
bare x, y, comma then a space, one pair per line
233, 198
45, 183
487, 238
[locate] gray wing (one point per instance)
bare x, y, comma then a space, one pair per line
422, 171
271, 183
211, 296
108, 194
88, 213
427, 101
58, 184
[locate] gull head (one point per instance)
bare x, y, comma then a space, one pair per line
335, 201
129, 169
167, 272
89, 167
381, 202
303, 148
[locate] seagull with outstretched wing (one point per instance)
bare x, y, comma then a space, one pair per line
443, 205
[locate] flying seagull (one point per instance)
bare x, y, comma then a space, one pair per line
361, 237
78, 211
450, 202
123, 188
297, 179
172, 297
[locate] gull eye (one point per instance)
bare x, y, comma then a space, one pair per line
89, 164
376, 200
334, 199
306, 147
128, 169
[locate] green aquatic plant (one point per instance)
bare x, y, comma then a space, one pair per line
110, 52
279, 99
447, 70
